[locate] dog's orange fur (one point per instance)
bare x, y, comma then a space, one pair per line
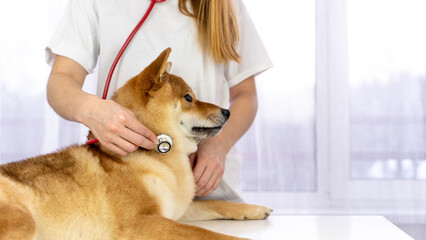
87, 192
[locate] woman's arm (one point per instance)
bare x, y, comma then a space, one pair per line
114, 126
211, 154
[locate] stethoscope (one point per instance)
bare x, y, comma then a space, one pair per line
164, 141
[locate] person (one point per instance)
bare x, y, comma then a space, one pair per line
215, 49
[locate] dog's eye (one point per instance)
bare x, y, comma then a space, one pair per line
187, 98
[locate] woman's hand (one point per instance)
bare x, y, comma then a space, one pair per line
209, 160
208, 166
116, 127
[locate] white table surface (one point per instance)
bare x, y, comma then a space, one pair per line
310, 228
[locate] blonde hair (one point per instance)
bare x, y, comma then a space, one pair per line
217, 27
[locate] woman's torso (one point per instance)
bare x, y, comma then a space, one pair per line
165, 27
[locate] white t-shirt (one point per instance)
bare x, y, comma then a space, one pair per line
92, 32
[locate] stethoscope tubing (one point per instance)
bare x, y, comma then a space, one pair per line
120, 53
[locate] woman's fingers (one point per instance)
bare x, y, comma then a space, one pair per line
137, 139
193, 159
200, 167
211, 184
207, 173
138, 134
115, 149
118, 129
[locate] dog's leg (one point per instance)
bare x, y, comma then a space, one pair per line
200, 210
158, 227
16, 221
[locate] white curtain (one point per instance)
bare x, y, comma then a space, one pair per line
28, 124
341, 125
279, 149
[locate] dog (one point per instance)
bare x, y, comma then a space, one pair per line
88, 192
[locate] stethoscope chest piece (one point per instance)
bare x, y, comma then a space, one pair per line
164, 143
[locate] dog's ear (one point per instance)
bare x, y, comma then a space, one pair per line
159, 67
152, 77
168, 67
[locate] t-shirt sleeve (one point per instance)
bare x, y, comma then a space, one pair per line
76, 36
254, 57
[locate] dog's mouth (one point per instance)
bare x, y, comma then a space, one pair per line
206, 129
206, 132
200, 133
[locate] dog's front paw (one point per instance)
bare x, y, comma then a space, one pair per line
258, 212
252, 212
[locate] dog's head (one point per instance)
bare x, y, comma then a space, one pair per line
166, 104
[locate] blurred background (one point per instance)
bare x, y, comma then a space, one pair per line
341, 127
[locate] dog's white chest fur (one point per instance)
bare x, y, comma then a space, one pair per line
172, 185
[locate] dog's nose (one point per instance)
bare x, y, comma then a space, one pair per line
225, 112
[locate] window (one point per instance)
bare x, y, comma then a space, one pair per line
387, 81
364, 128
379, 148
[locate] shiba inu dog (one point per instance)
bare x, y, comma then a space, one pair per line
87, 192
